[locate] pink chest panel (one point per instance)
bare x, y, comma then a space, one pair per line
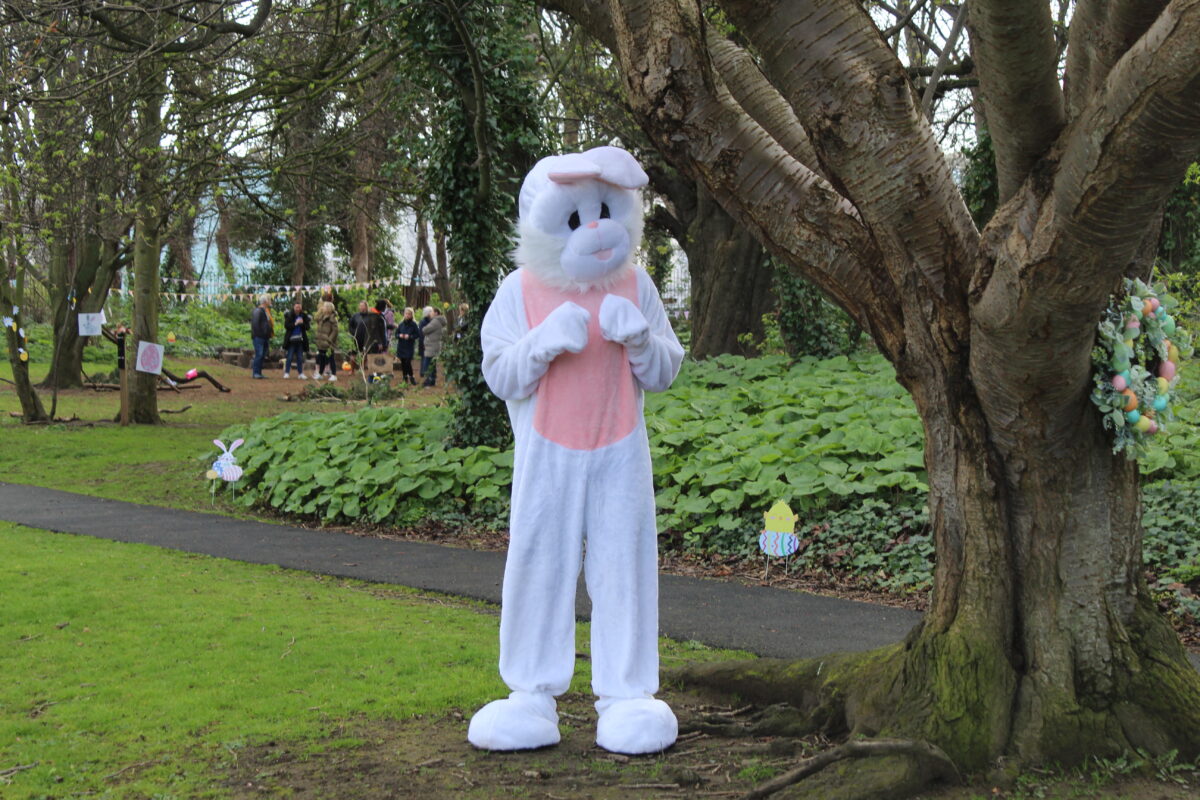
586, 400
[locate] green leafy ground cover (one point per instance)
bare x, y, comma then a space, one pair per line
131, 671
838, 439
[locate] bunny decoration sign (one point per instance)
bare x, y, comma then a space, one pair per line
225, 468
571, 341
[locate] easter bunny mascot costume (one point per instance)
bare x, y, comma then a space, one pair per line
572, 339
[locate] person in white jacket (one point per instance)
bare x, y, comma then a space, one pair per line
571, 341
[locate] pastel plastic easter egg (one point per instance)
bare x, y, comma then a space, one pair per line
346, 366
1168, 325
1163, 385
1143, 424
1132, 417
1120, 361
1147, 308
1125, 374
1153, 429
211, 475
1133, 322
1119, 383
1154, 304
1173, 353
192, 374
1131, 400
171, 337
24, 356
1160, 312
1166, 370
1160, 402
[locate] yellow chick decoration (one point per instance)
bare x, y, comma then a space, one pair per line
780, 518
778, 537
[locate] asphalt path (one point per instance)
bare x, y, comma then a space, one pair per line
761, 620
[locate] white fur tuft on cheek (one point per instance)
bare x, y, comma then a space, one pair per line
541, 253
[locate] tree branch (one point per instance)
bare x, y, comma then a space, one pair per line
857, 104
931, 88
1101, 32
701, 131
758, 98
1015, 54
1128, 148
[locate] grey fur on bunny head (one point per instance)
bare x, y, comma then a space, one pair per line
581, 218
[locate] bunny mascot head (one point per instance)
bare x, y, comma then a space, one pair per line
571, 341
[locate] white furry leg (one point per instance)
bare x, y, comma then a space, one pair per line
521, 721
635, 726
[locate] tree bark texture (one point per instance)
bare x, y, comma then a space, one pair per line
731, 274
1041, 642
147, 245
731, 280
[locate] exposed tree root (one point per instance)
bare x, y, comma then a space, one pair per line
930, 758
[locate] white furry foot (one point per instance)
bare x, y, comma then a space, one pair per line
636, 726
521, 721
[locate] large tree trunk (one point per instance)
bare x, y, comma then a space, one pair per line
96, 267
147, 246
1041, 643
731, 281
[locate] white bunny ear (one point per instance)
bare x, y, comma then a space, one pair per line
617, 167
221, 445
236, 444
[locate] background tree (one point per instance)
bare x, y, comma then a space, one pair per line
1041, 642
483, 138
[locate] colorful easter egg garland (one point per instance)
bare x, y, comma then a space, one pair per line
1136, 360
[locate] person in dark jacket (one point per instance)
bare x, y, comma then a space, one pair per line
407, 336
358, 327
434, 332
262, 328
295, 339
376, 331
426, 315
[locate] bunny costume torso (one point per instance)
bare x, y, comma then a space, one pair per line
572, 363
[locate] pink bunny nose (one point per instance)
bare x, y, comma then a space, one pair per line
593, 224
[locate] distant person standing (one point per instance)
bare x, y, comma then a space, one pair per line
426, 315
376, 328
389, 321
460, 325
295, 339
326, 339
435, 331
358, 327
262, 328
408, 334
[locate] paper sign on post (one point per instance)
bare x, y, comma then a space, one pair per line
90, 324
150, 357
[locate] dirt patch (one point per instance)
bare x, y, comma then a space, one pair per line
429, 757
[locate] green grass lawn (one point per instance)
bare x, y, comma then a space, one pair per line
131, 671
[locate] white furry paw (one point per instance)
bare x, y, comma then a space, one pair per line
623, 322
520, 721
564, 330
637, 726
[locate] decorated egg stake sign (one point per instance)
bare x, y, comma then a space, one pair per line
778, 536
1136, 362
